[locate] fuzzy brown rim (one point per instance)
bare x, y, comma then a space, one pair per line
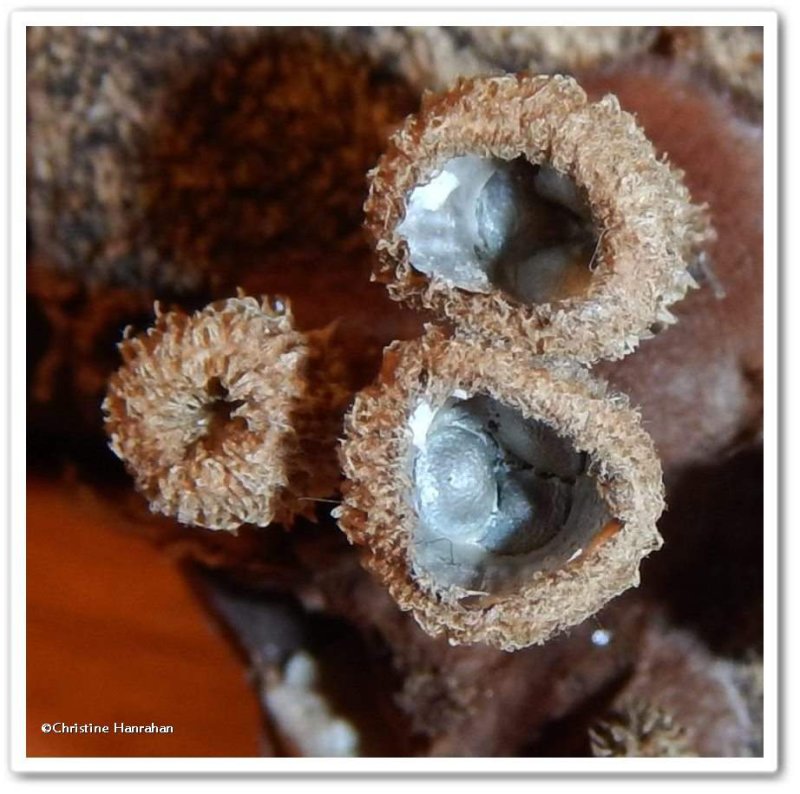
649, 232
154, 400
377, 513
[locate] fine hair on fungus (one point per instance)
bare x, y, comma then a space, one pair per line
498, 498
216, 414
525, 214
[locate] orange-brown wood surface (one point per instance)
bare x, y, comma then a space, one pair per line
115, 634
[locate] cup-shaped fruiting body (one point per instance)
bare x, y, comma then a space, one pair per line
500, 498
523, 212
639, 730
209, 413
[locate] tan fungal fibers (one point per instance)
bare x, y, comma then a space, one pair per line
551, 431
640, 730
202, 412
637, 230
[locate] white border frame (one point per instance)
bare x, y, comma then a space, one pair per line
298, 16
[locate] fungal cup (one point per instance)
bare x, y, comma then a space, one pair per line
525, 215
